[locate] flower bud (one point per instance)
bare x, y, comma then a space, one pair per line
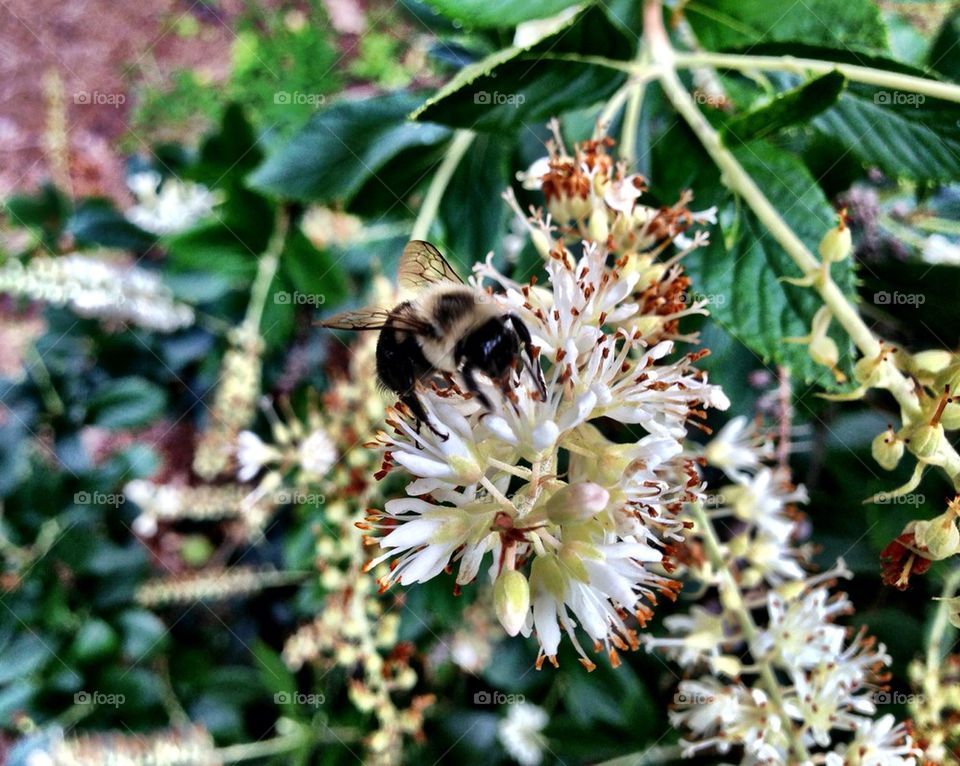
541, 242
836, 243
950, 417
511, 600
598, 228
932, 361
923, 439
577, 502
939, 535
823, 350
887, 449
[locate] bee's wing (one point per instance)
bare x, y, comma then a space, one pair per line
374, 319
422, 264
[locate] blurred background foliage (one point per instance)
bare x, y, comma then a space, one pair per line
306, 113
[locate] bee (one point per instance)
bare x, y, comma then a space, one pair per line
448, 327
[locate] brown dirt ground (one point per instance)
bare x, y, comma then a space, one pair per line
102, 48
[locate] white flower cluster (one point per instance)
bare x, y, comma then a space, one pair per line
99, 287
579, 525
170, 206
824, 682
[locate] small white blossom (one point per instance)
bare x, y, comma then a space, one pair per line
168, 207
521, 733
101, 287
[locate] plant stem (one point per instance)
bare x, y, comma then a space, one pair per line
867, 75
940, 622
41, 376
438, 184
249, 751
631, 122
737, 180
267, 269
647, 757
732, 600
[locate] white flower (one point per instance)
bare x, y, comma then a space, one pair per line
583, 521
168, 207
252, 455
736, 449
317, 453
521, 733
882, 742
940, 251
103, 287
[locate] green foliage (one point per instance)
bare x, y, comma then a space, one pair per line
497, 13
71, 623
736, 24
345, 147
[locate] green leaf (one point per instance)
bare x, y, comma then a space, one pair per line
94, 642
787, 108
906, 135
316, 277
343, 147
97, 222
45, 211
733, 24
740, 272
520, 86
472, 212
22, 656
127, 403
943, 54
497, 13
143, 634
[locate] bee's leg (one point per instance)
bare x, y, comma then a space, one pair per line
532, 363
413, 403
472, 386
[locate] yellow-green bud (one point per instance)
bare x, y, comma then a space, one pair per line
939, 536
540, 242
577, 502
950, 417
547, 575
932, 361
887, 449
511, 600
836, 243
599, 228
823, 350
923, 439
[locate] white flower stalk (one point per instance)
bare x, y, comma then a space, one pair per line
170, 206
782, 682
104, 286
586, 552
521, 733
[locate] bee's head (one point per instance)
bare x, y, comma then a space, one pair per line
492, 348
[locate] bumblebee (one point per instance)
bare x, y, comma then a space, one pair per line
448, 327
